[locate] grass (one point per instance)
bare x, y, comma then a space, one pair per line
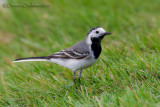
126, 74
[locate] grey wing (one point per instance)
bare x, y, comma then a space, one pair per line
77, 51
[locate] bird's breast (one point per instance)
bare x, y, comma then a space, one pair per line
96, 47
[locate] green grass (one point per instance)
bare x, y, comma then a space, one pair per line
126, 74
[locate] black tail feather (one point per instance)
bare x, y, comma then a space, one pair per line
41, 57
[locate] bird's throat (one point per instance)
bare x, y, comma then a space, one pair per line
96, 47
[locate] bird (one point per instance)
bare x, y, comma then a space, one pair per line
77, 57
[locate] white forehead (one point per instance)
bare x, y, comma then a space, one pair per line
100, 29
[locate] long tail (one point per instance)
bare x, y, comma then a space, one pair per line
42, 58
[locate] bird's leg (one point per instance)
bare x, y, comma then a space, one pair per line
79, 77
74, 78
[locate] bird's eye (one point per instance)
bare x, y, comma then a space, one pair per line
97, 32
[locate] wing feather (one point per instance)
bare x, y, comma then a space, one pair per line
77, 51
68, 54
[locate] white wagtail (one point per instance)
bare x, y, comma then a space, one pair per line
79, 56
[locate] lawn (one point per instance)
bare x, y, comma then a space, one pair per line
126, 74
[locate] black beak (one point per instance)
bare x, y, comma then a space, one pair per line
107, 33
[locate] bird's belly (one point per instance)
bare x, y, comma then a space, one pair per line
74, 64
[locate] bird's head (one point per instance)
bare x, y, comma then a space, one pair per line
96, 33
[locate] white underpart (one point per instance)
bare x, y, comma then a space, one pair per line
74, 64
93, 34
25, 60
